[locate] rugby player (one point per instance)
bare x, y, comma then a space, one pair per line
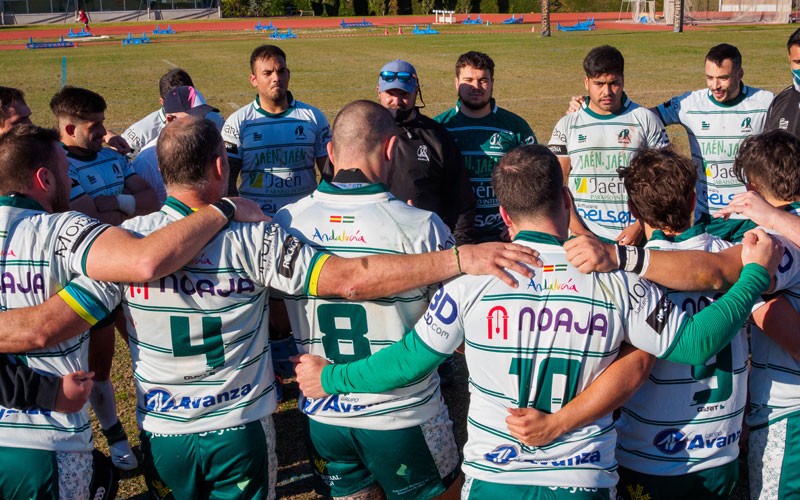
13, 109
592, 143
207, 385
540, 348
368, 445
103, 186
275, 141
483, 132
48, 454
147, 129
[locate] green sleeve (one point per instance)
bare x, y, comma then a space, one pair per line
402, 363
707, 332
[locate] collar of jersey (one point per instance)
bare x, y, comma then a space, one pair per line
696, 230
21, 202
538, 237
178, 206
328, 188
492, 104
793, 207
257, 105
626, 103
744, 90
89, 157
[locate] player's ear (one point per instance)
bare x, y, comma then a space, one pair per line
586, 83
388, 148
329, 147
69, 128
506, 218
41, 179
253, 80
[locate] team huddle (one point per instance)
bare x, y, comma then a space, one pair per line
628, 315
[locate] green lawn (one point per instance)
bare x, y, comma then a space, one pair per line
534, 77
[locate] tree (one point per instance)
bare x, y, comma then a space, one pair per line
545, 17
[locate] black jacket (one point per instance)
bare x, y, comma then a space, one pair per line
784, 112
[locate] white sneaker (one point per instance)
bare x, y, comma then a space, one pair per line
122, 455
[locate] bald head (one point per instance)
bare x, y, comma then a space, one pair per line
185, 148
360, 130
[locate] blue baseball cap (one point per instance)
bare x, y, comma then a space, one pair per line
395, 75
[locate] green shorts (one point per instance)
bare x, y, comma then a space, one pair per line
774, 460
45, 475
715, 483
475, 489
225, 464
417, 462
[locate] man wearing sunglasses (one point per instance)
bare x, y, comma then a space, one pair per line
484, 132
427, 168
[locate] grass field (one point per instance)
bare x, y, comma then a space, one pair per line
534, 78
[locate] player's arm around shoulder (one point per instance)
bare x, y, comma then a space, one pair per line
655, 131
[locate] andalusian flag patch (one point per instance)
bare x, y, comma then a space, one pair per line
557, 267
342, 219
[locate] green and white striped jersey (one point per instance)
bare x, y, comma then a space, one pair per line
598, 145
363, 220
199, 337
715, 131
482, 142
685, 418
42, 255
278, 152
538, 346
102, 173
774, 373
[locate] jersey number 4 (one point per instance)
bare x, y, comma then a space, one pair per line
212, 346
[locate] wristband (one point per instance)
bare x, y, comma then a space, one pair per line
226, 207
458, 260
633, 259
127, 203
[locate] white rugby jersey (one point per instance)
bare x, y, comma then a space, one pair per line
685, 418
355, 222
146, 166
715, 131
774, 374
278, 152
42, 255
199, 338
102, 173
538, 346
597, 145
148, 128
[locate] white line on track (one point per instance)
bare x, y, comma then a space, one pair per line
170, 63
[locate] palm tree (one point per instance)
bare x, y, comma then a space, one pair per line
545, 17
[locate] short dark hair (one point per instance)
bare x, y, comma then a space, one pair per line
771, 161
185, 148
660, 184
362, 126
528, 182
477, 60
9, 96
75, 102
23, 150
718, 53
265, 52
794, 39
175, 77
604, 60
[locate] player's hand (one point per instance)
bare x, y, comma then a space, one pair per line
119, 143
532, 427
495, 257
753, 206
575, 104
631, 235
308, 368
589, 254
248, 211
106, 203
760, 248
73, 393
